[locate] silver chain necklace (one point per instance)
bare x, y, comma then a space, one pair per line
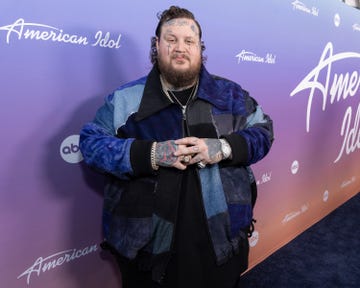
183, 107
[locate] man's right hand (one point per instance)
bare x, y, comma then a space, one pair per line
164, 155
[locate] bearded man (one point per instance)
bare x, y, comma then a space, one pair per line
177, 146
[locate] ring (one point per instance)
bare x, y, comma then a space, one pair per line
201, 165
186, 159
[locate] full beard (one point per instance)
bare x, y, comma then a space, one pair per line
179, 78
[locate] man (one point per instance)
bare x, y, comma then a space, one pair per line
177, 145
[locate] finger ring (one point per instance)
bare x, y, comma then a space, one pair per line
201, 165
186, 159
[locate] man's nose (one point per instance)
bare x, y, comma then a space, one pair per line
180, 46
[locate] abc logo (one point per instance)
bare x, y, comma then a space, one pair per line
326, 196
254, 238
337, 20
70, 151
295, 167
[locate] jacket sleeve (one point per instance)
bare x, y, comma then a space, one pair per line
252, 141
101, 148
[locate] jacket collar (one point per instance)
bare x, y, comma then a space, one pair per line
154, 100
211, 90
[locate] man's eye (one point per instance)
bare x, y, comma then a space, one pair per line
189, 42
171, 40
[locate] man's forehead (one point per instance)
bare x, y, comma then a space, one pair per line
182, 22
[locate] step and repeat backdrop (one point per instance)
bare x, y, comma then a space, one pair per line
59, 59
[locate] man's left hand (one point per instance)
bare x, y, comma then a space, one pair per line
201, 150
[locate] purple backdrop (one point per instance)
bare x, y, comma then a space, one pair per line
59, 59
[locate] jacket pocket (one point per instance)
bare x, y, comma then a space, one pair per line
130, 226
236, 185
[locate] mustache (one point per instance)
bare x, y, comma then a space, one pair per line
180, 55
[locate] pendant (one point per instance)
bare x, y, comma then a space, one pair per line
183, 109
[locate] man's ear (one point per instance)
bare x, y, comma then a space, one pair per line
157, 43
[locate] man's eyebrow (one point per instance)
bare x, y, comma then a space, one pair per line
169, 32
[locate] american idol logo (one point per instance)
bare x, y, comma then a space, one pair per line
333, 88
22, 30
298, 5
266, 177
348, 182
356, 27
248, 56
45, 264
290, 216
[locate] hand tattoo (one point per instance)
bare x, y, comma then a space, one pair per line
214, 150
164, 154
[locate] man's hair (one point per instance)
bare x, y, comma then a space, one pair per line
173, 12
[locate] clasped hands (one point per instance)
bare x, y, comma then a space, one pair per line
187, 151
